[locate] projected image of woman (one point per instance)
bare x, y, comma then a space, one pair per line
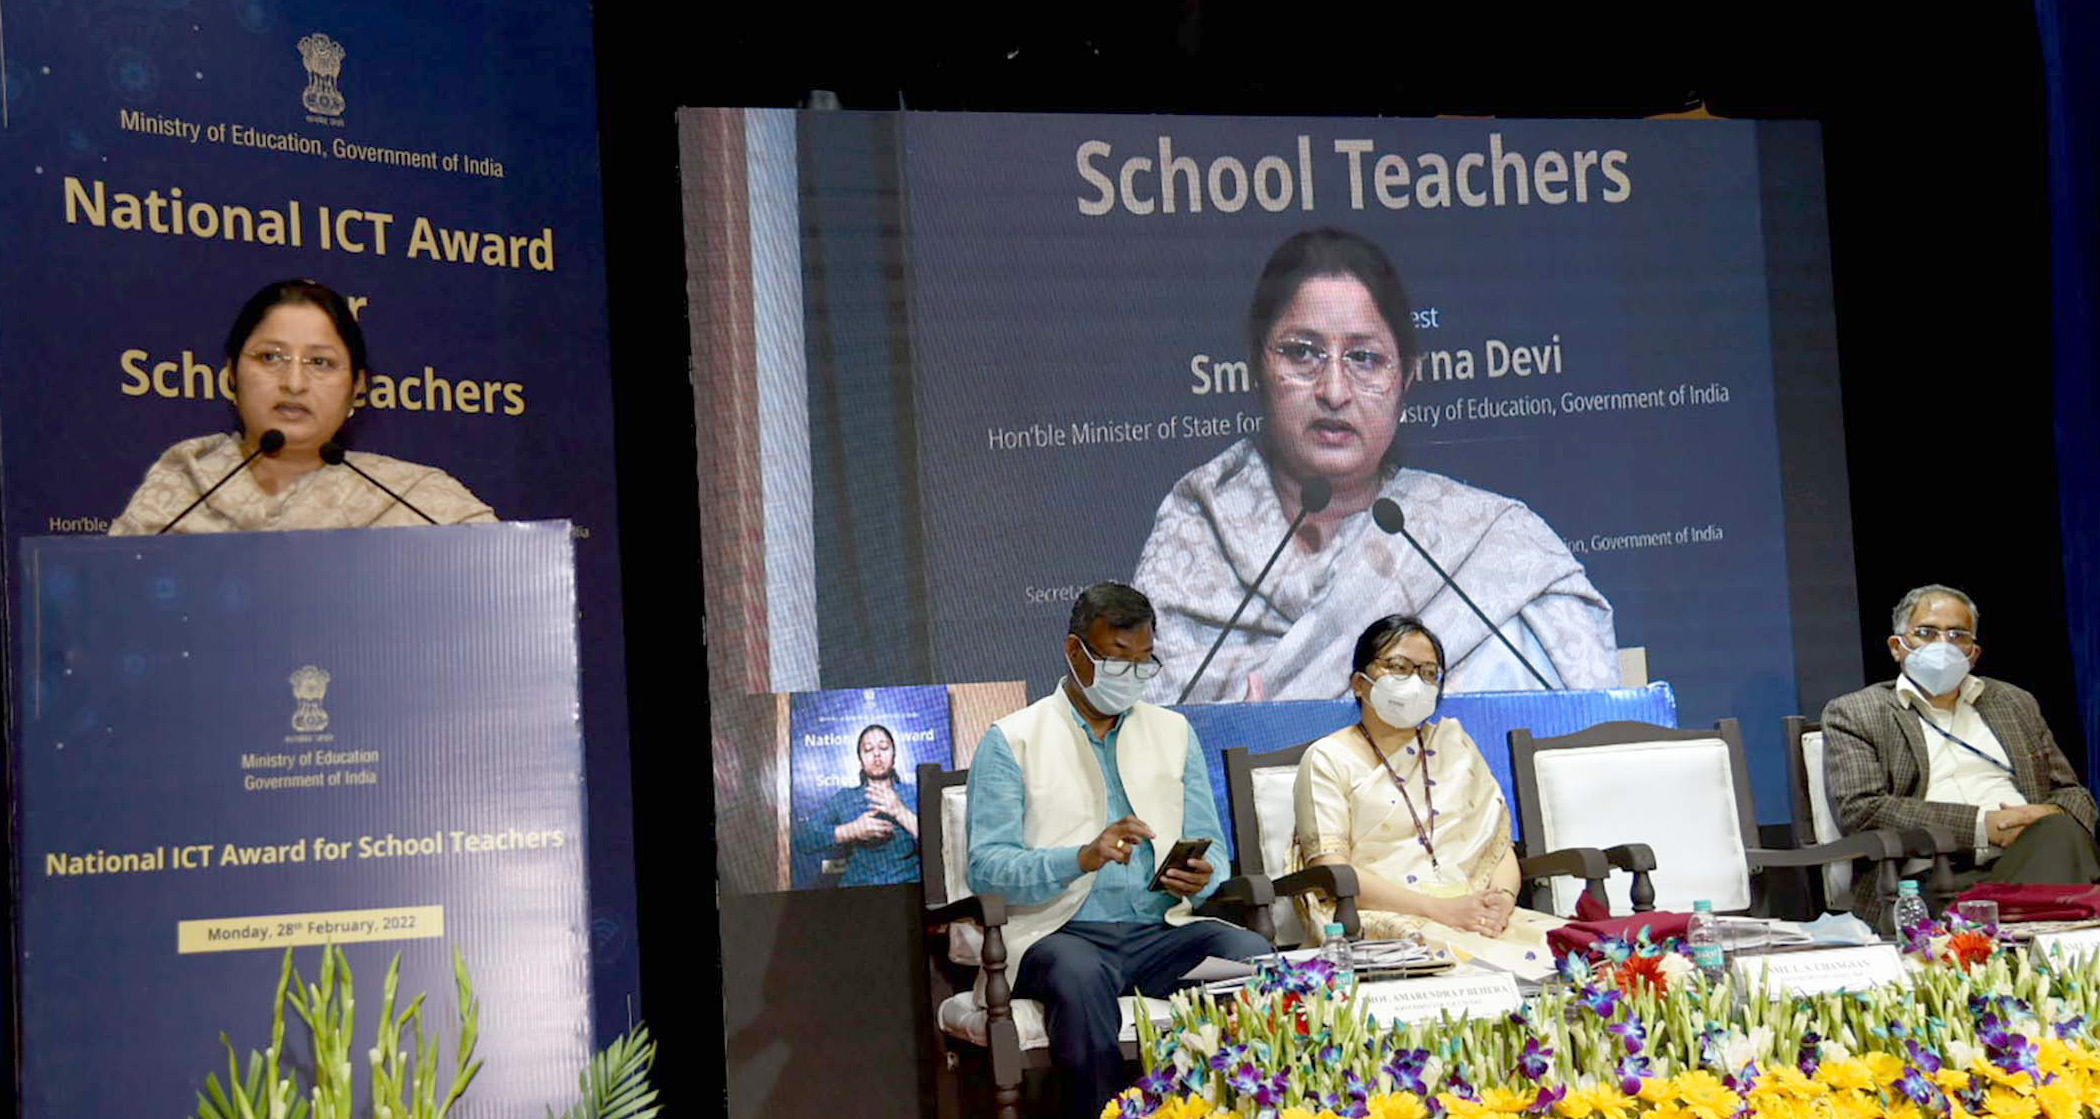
1333, 343
873, 825
298, 360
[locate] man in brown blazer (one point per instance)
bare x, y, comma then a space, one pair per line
1938, 745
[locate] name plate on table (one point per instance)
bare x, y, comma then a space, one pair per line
1831, 969
1485, 995
2066, 945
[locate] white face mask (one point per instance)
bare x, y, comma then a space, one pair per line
1111, 694
1938, 668
1403, 702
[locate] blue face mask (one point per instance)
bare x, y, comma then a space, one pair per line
1938, 668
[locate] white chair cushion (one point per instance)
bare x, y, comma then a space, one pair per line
1677, 797
955, 840
1837, 877
1275, 818
962, 1016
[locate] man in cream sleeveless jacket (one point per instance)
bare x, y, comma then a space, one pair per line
1074, 802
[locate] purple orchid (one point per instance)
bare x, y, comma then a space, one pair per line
1600, 1001
1922, 1057
1630, 1031
2071, 1026
1546, 1099
2015, 1054
1921, 1091
1630, 1071
1535, 1060
1811, 1053
1157, 1083
1245, 1080
1229, 1055
1355, 1086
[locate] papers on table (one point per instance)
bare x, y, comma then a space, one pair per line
1738, 933
1371, 958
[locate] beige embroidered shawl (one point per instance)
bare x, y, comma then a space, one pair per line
331, 497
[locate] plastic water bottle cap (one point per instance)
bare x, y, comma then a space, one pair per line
1702, 906
1907, 888
1334, 928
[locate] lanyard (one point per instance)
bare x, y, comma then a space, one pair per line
1957, 740
1423, 834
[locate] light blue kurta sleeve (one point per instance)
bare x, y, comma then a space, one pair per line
1001, 862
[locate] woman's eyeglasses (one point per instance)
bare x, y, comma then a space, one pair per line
1428, 673
1300, 361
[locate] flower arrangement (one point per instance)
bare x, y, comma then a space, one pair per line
1981, 1031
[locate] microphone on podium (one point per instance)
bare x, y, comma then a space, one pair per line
1393, 522
332, 454
272, 441
1313, 496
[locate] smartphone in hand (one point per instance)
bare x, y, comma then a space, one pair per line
1179, 857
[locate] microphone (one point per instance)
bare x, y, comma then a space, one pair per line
1313, 496
333, 455
1393, 522
272, 441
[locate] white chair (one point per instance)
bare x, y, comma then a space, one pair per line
999, 1037
1683, 793
1264, 815
1815, 821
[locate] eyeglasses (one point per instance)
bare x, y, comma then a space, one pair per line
1926, 635
318, 366
1302, 360
1116, 666
1428, 673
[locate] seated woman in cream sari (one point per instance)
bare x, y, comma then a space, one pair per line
1413, 808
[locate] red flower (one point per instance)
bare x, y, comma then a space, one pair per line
1636, 970
1971, 947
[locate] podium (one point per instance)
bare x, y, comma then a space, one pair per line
228, 745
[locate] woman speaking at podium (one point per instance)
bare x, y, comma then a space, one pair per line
298, 359
1333, 346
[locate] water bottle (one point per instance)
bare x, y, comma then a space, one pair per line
1703, 936
1910, 908
1337, 952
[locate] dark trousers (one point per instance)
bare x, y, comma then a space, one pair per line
1079, 971
2055, 848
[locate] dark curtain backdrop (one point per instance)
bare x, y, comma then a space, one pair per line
2070, 36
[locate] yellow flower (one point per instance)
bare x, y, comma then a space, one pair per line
1903, 1109
1187, 1107
2059, 1099
1459, 1107
1885, 1068
1846, 1072
1669, 1110
1852, 1103
2053, 1055
1705, 1096
1294, 1113
1604, 1101
2004, 1103
1785, 1081
1398, 1105
1951, 1079
1114, 1108
2020, 1082
1506, 1101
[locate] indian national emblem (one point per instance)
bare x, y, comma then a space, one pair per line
323, 57
309, 687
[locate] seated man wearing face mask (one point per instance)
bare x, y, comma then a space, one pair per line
1938, 745
1412, 806
1075, 801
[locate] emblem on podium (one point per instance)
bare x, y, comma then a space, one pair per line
323, 58
309, 688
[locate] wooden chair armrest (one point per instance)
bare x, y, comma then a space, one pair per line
1879, 844
1636, 859
987, 910
1245, 901
1337, 881
1586, 863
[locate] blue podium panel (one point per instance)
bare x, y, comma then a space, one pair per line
233, 744
1487, 716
